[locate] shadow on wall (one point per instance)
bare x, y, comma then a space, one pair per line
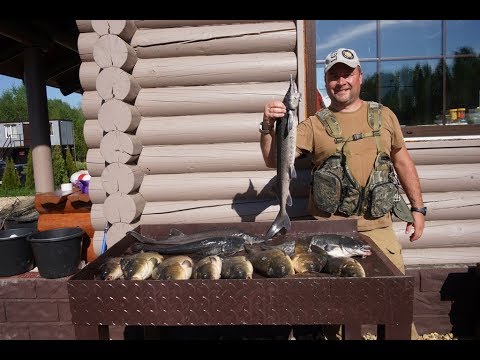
249, 204
463, 290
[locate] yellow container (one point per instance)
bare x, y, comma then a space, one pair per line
461, 113
453, 114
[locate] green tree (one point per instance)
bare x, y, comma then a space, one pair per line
13, 105
59, 170
29, 177
10, 179
70, 165
13, 108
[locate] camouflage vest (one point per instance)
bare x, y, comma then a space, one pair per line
334, 187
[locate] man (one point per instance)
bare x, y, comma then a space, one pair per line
343, 80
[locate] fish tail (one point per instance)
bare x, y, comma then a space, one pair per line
281, 221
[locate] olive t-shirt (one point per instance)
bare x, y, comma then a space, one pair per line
313, 138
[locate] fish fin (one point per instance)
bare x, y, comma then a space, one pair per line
281, 221
289, 200
290, 120
293, 172
175, 232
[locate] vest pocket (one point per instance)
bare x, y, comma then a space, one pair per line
327, 191
350, 201
382, 199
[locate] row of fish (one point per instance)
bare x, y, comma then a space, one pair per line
145, 265
318, 255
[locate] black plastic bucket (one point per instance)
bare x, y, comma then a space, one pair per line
57, 252
16, 255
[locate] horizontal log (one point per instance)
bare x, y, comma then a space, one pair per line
124, 29
215, 40
110, 50
117, 231
215, 69
96, 192
454, 177
115, 83
178, 159
91, 103
117, 146
85, 44
88, 75
124, 178
454, 205
125, 208
199, 129
118, 115
447, 156
92, 133
246, 156
84, 25
437, 256
212, 99
219, 211
158, 24
95, 162
442, 233
238, 185
97, 217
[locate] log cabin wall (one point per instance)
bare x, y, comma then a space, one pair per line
173, 108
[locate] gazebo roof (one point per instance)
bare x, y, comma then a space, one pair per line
57, 38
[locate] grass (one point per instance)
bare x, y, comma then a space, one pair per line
16, 192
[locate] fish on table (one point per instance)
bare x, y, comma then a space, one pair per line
236, 267
309, 262
273, 263
344, 266
209, 267
177, 237
140, 266
339, 245
173, 268
224, 245
110, 269
285, 140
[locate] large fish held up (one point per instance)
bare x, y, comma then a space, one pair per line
286, 137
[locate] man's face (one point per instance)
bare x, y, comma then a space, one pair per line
343, 84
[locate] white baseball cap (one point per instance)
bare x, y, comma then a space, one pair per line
346, 56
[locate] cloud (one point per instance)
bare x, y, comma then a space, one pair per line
347, 34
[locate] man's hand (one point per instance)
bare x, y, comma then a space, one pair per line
417, 226
273, 111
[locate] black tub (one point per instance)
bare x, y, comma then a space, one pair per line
57, 252
16, 255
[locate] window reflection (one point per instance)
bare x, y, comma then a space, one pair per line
412, 74
462, 33
413, 90
411, 38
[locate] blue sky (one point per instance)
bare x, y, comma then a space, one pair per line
73, 100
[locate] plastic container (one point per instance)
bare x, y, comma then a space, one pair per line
16, 256
453, 114
57, 252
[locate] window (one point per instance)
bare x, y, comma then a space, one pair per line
11, 131
426, 71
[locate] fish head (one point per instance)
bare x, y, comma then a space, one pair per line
338, 250
293, 96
